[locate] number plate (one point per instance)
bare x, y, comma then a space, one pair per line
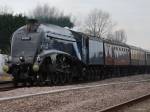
26, 38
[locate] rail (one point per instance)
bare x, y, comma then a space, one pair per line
79, 87
117, 107
6, 85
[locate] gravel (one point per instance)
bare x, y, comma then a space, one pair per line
85, 100
33, 90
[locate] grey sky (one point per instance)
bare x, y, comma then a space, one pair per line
131, 15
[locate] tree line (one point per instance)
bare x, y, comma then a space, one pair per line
10, 22
97, 23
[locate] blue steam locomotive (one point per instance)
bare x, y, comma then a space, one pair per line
49, 54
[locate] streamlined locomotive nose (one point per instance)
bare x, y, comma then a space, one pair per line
24, 49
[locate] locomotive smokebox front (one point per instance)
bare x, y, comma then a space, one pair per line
25, 46
38, 49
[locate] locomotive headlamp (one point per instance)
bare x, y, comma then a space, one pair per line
5, 68
35, 68
21, 58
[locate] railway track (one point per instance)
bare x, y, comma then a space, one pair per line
6, 85
118, 107
43, 95
79, 87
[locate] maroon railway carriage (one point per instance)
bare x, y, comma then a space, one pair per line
117, 57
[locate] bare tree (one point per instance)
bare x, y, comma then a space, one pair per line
118, 36
51, 15
98, 23
5, 10
45, 11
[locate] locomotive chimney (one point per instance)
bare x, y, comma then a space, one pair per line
32, 25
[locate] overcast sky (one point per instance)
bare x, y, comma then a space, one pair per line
131, 15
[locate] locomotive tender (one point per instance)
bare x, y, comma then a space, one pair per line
51, 54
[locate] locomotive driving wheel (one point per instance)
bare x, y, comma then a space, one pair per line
62, 78
49, 78
63, 69
39, 79
15, 74
55, 78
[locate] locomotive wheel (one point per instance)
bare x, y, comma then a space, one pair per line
89, 75
99, 75
16, 78
84, 75
104, 75
64, 70
92, 74
31, 82
62, 78
40, 79
118, 73
49, 79
49, 83
55, 78
96, 74
70, 78
109, 74
15, 83
24, 84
